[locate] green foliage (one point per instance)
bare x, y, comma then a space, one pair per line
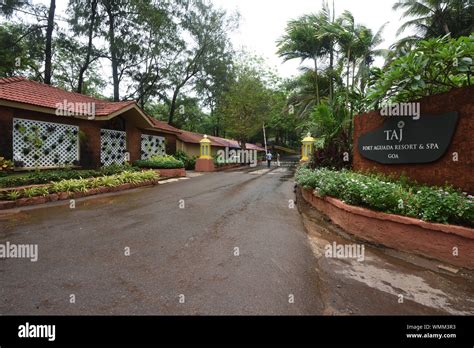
333, 152
160, 162
21, 49
116, 169
189, 162
247, 103
443, 205
433, 18
83, 185
44, 177
5, 165
433, 66
13, 195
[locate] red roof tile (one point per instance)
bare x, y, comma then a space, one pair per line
194, 138
163, 125
250, 146
21, 90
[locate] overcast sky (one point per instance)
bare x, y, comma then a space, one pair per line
264, 21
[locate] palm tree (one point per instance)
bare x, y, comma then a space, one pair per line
433, 18
329, 35
303, 91
367, 52
301, 41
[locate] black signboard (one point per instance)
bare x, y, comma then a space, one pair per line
403, 139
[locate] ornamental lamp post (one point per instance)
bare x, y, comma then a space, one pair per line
307, 147
205, 148
204, 163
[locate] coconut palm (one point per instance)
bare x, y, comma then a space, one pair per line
433, 18
367, 51
301, 41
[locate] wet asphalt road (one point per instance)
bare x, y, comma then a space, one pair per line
173, 251
237, 246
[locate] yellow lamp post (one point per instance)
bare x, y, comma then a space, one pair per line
205, 147
307, 147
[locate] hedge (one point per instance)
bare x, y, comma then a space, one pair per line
160, 162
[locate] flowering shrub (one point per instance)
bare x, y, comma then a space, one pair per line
444, 205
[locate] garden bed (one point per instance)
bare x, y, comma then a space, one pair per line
76, 188
394, 196
432, 240
433, 222
38, 177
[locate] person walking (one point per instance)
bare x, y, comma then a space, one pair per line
269, 159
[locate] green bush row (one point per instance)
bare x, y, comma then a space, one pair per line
83, 185
160, 162
429, 203
45, 177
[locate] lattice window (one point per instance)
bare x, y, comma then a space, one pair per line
113, 146
152, 145
38, 144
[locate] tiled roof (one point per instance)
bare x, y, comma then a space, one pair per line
21, 90
254, 147
225, 142
163, 125
194, 138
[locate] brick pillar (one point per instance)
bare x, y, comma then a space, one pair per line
90, 144
6, 134
134, 139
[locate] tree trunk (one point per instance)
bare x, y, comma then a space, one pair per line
331, 67
84, 67
173, 106
446, 28
49, 43
113, 53
317, 79
347, 77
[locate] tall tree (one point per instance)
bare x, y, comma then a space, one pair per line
301, 40
246, 105
48, 72
84, 20
432, 18
208, 30
41, 14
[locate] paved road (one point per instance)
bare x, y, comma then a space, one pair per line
236, 247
